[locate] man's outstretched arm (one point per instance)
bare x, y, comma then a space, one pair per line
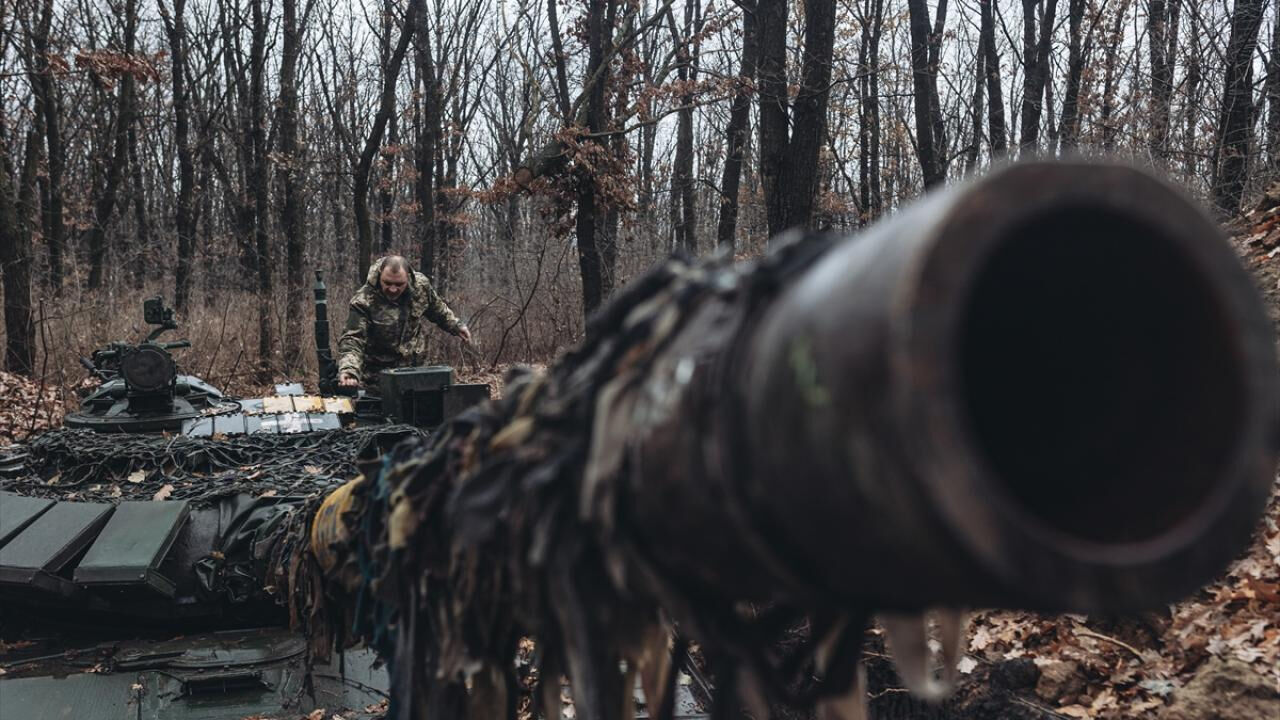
439, 313
351, 346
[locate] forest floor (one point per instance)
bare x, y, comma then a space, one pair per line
1213, 656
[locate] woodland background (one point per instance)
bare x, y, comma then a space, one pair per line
532, 155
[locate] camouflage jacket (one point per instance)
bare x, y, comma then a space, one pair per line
382, 334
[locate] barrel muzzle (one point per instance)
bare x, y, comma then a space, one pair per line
1053, 388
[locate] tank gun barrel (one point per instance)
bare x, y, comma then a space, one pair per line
1050, 388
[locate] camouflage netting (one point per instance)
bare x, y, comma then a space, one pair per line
478, 536
70, 464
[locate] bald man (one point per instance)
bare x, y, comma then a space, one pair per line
384, 324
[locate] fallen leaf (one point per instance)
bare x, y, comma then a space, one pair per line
1078, 711
1159, 688
981, 639
163, 493
137, 476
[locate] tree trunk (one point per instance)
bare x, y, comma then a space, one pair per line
789, 155
737, 133
596, 278
997, 132
106, 202
1272, 92
386, 198
15, 260
387, 160
1231, 156
141, 260
871, 105
48, 108
386, 106
682, 200
929, 146
1110, 79
428, 142
979, 81
185, 214
1077, 56
1195, 75
1162, 38
560, 62
258, 182
935, 102
1035, 61
774, 103
293, 210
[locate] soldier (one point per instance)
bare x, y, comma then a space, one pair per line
384, 324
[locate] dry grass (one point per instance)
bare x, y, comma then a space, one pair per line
527, 313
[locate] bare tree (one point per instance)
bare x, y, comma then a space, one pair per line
591, 220
1162, 37
997, 132
1078, 49
1235, 119
386, 107
175, 26
683, 203
1271, 90
1111, 76
48, 112
428, 142
292, 209
738, 131
792, 132
869, 191
930, 137
15, 258
1193, 82
106, 200
1035, 61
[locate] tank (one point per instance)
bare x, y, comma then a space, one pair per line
960, 407
130, 539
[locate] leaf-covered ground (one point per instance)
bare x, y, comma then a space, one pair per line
26, 407
1214, 655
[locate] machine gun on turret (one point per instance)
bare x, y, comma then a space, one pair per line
141, 388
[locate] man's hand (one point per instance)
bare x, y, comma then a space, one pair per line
348, 380
465, 333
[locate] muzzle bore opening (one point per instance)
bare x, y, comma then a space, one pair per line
1102, 380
